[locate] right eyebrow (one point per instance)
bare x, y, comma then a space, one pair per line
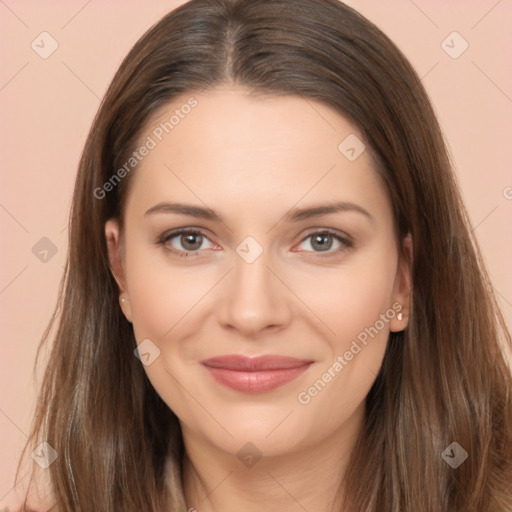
185, 209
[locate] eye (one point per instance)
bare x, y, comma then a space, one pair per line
187, 242
322, 241
184, 242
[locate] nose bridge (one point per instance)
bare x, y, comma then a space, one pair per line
251, 272
254, 297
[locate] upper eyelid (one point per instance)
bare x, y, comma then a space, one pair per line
180, 231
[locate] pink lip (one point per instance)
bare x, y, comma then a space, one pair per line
255, 374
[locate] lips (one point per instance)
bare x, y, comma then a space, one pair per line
255, 374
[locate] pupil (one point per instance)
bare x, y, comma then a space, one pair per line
323, 245
189, 239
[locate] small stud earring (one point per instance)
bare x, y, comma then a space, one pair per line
399, 316
122, 299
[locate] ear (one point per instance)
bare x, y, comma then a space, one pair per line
402, 289
116, 260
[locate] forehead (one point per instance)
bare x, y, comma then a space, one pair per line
237, 150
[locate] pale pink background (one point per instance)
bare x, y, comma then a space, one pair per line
47, 107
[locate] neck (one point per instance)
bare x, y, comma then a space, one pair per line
308, 479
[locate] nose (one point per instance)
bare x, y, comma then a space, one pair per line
254, 298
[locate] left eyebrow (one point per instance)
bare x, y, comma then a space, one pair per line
298, 214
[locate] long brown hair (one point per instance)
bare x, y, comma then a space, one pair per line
444, 379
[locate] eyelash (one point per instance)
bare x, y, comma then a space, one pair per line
344, 240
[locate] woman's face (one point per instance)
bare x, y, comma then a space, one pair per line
264, 278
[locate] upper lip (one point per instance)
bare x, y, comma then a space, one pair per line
254, 364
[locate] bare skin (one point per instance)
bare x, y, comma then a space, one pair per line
253, 160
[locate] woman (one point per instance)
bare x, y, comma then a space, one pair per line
329, 340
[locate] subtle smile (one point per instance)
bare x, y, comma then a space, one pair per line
255, 374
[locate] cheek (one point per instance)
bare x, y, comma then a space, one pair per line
350, 299
164, 300
355, 303
161, 296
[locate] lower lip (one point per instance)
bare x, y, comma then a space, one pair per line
256, 382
